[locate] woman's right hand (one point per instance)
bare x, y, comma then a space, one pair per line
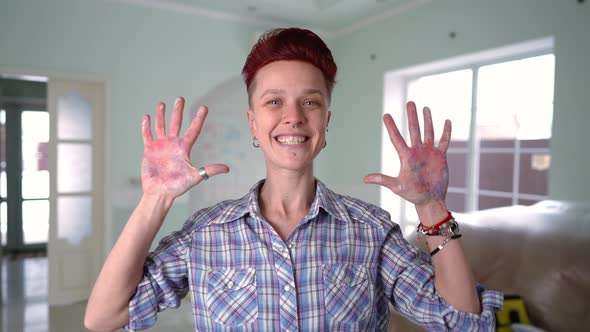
166, 167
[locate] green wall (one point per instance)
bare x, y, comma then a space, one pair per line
422, 36
147, 55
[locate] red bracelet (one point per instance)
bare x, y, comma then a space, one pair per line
425, 229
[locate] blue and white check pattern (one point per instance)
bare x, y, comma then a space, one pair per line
338, 271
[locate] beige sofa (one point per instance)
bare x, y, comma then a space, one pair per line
540, 252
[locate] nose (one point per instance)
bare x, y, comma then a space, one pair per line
293, 115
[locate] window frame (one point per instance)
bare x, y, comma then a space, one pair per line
396, 93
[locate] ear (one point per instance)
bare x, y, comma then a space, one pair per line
251, 122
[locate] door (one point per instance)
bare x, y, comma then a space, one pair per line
76, 155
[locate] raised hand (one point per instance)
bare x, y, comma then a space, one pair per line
166, 168
423, 176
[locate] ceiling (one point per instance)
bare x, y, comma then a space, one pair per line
330, 17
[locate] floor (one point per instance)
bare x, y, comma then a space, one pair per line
25, 309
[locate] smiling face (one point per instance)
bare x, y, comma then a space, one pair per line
289, 114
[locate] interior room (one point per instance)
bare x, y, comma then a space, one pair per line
76, 77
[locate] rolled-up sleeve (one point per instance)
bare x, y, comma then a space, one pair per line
163, 285
408, 279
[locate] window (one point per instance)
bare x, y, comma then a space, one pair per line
502, 112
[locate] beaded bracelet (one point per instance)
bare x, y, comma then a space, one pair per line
425, 229
446, 227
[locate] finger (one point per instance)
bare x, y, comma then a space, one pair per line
146, 130
211, 170
176, 119
387, 181
196, 125
394, 135
160, 121
445, 138
413, 124
428, 127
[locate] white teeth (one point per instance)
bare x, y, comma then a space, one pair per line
291, 139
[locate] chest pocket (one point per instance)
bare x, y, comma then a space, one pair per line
348, 292
231, 297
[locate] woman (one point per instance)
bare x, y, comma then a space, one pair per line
291, 255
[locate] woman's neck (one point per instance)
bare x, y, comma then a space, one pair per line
287, 193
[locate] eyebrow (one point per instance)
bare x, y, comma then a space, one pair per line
281, 91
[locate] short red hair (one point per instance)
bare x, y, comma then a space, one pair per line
290, 44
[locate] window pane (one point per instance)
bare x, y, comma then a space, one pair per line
497, 143
534, 172
2, 139
35, 221
3, 189
35, 184
535, 143
35, 126
456, 202
515, 99
3, 153
457, 169
3, 221
35, 135
449, 97
496, 172
74, 168
35, 138
74, 120
74, 218
487, 202
458, 144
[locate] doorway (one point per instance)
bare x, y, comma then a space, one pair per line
24, 172
24, 202
51, 198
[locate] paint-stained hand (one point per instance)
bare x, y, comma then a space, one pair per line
423, 176
166, 168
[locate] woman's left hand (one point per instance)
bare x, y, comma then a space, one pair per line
424, 175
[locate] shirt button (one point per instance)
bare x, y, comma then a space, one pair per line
291, 244
287, 288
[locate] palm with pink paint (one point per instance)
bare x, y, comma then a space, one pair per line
166, 168
423, 176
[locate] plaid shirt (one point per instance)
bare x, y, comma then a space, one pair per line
339, 269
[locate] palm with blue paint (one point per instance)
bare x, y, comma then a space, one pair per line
423, 176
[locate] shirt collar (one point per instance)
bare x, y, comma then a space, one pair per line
330, 202
325, 198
